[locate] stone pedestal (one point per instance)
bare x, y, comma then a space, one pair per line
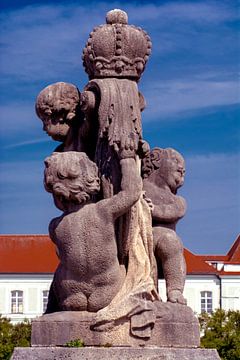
114, 353
175, 326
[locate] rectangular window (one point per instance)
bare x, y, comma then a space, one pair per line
44, 300
16, 302
206, 301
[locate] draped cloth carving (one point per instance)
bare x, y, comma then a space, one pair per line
119, 110
135, 299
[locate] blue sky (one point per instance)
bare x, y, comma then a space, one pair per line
192, 92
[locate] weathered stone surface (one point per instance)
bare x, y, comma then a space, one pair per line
116, 353
104, 290
89, 275
116, 49
163, 172
175, 326
58, 106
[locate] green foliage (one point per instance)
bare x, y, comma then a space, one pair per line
221, 331
75, 343
13, 335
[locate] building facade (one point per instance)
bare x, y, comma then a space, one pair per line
27, 264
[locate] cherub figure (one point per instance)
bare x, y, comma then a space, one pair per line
163, 173
89, 274
58, 106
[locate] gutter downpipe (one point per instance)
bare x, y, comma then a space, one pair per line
220, 291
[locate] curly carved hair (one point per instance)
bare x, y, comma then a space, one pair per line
156, 158
58, 96
71, 175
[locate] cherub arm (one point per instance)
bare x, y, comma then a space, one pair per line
171, 212
131, 188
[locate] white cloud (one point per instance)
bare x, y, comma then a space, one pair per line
43, 43
198, 12
39, 41
27, 142
168, 97
164, 98
211, 190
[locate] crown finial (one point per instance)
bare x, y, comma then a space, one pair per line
116, 49
117, 16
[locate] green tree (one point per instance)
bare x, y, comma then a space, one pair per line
221, 330
12, 336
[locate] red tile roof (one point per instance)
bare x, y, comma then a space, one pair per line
233, 255
27, 254
234, 252
196, 265
211, 257
36, 254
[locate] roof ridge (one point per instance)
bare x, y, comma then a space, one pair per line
234, 252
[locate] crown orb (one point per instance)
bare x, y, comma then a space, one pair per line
116, 16
118, 51
119, 66
140, 67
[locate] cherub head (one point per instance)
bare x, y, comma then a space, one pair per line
57, 106
71, 177
164, 166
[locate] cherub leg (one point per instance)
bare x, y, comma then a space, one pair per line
169, 251
75, 302
102, 296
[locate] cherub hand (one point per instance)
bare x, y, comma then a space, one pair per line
127, 147
148, 201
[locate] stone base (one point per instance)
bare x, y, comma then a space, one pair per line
114, 353
175, 326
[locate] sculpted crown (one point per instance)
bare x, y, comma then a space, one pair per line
116, 49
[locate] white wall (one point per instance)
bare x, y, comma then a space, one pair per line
193, 286
230, 292
32, 286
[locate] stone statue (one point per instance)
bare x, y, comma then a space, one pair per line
89, 274
114, 67
110, 234
58, 106
163, 172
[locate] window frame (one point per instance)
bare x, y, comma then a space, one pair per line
17, 301
206, 301
44, 300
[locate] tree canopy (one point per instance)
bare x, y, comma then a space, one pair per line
221, 330
12, 335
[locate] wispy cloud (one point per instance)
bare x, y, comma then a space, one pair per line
212, 12
193, 66
39, 41
169, 97
27, 142
211, 188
